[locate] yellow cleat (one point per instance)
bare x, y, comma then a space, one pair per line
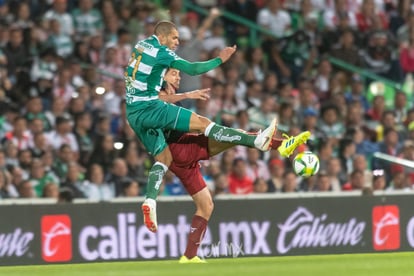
194, 260
289, 144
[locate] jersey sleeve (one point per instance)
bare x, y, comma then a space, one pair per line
165, 57
196, 68
168, 58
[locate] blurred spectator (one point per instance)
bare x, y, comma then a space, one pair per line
221, 184
356, 93
263, 115
62, 86
356, 181
26, 190
130, 188
123, 47
103, 152
255, 167
359, 162
308, 184
136, 159
286, 115
399, 180
98, 188
404, 33
274, 18
65, 195
141, 12
83, 123
51, 190
378, 180
322, 79
346, 49
117, 172
293, 56
96, 48
277, 170
363, 142
255, 60
172, 185
323, 182
368, 14
39, 177
16, 53
340, 11
244, 8
260, 186
59, 40
63, 134
65, 155
239, 181
58, 12
7, 190
6, 16
35, 110
377, 108
407, 54
113, 98
87, 20
401, 106
290, 182
20, 135
389, 146
346, 153
331, 125
379, 56
74, 181
110, 65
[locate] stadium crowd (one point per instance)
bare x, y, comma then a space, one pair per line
63, 130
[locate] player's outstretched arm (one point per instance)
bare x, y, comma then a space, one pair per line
199, 94
197, 68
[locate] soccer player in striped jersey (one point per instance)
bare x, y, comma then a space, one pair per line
149, 116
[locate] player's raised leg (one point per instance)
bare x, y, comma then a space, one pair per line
221, 133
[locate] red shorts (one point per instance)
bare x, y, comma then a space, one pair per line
186, 152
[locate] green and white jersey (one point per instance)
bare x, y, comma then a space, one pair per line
147, 66
146, 69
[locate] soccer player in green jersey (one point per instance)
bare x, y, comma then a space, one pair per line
149, 116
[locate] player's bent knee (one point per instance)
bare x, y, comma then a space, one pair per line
164, 157
198, 123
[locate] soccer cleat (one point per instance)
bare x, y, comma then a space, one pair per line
149, 210
264, 138
194, 260
291, 143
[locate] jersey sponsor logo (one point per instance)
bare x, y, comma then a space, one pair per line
143, 44
56, 238
386, 227
219, 136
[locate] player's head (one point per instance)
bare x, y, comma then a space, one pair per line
167, 34
173, 77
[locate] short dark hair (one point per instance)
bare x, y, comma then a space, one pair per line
164, 27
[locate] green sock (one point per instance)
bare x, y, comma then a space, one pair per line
230, 135
155, 176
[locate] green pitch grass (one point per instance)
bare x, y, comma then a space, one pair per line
395, 264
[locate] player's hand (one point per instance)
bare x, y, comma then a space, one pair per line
215, 12
200, 94
226, 53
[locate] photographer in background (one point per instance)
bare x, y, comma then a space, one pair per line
293, 56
